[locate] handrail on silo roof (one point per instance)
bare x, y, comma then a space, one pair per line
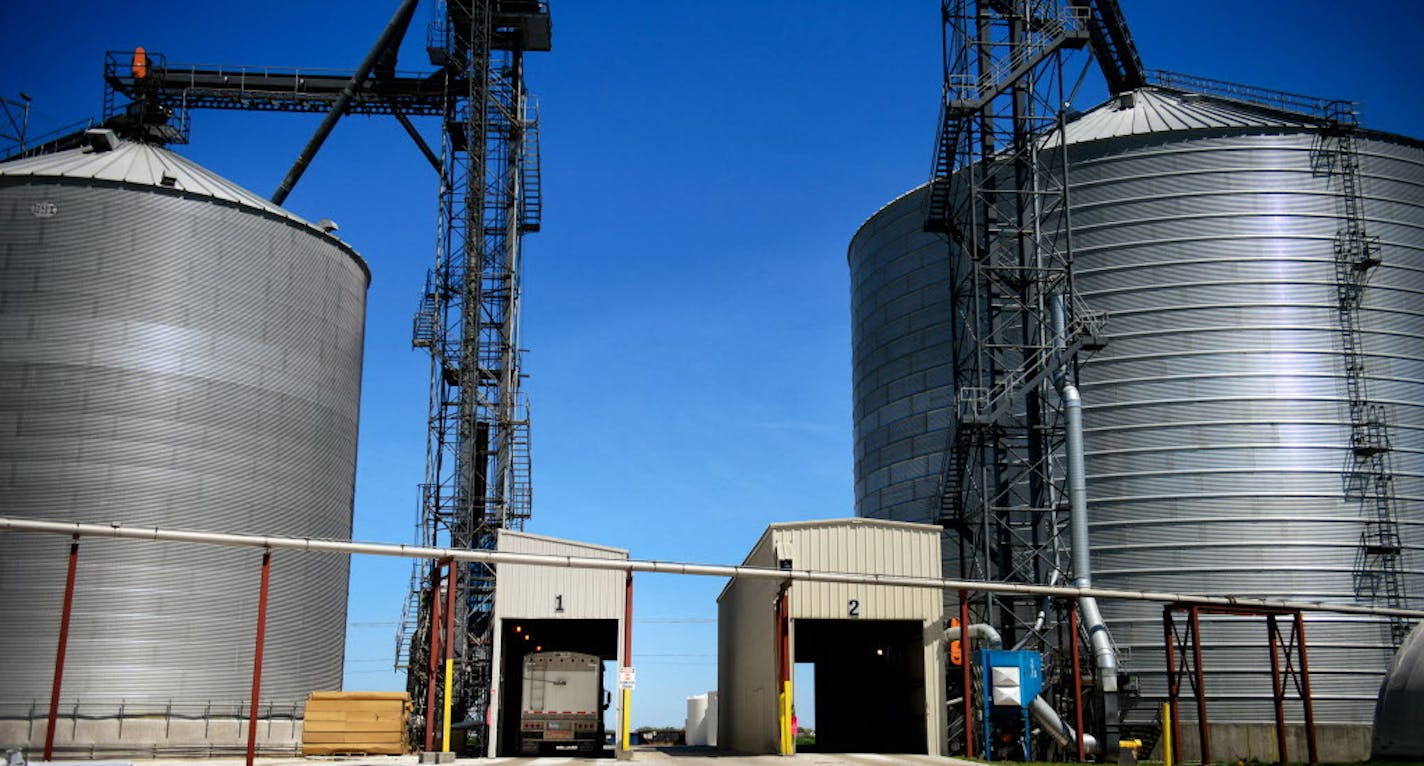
1329, 110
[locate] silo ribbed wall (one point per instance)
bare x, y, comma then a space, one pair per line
172, 360
1217, 425
1218, 429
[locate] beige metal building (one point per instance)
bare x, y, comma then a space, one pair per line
542, 608
878, 650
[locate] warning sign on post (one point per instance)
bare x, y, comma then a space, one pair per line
627, 677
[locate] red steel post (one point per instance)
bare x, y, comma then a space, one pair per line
64, 615
451, 581
432, 678
1305, 691
965, 655
1174, 681
1077, 676
1203, 727
628, 620
257, 654
1278, 689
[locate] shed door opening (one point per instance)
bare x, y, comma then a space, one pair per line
870, 684
525, 637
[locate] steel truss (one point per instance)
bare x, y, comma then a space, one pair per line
1000, 193
1290, 668
477, 453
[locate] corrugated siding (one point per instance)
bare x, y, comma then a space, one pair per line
1217, 429
175, 362
863, 547
530, 592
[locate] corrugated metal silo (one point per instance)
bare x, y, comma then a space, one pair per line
175, 352
1218, 429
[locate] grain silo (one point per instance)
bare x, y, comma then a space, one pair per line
1226, 447
174, 352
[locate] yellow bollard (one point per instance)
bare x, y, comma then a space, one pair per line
445, 727
627, 719
1166, 734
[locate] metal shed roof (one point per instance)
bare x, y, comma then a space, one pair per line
137, 164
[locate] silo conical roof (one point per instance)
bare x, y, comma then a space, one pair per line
137, 164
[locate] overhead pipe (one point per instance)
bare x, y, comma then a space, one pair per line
316, 545
1042, 712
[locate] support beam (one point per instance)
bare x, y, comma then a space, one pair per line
61, 647
257, 655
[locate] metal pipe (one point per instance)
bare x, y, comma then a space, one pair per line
1104, 654
395, 28
61, 647
313, 545
257, 655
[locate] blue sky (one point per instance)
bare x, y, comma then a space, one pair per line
686, 305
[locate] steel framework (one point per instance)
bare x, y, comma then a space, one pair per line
999, 191
477, 453
1289, 667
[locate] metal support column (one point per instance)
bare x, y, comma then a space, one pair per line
1278, 690
625, 709
257, 654
965, 653
61, 647
433, 671
451, 586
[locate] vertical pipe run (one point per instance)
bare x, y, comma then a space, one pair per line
1077, 678
965, 653
1278, 688
65, 612
449, 654
257, 654
433, 674
1311, 752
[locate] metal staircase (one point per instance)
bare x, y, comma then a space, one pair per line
1369, 476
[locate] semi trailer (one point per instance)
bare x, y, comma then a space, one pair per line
562, 704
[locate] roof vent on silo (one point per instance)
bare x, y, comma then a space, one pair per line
102, 139
1126, 100
327, 225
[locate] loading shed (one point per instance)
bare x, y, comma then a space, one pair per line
877, 650
549, 609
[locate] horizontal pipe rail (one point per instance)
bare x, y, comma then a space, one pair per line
71, 529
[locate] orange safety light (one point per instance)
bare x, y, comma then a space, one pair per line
956, 651
140, 63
